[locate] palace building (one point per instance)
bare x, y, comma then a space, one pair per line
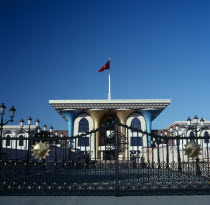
86, 115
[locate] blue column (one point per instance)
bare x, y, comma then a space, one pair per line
149, 115
70, 116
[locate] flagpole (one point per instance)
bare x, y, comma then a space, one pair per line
109, 93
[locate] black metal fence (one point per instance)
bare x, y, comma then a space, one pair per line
112, 160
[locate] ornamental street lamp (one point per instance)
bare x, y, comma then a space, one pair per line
51, 134
196, 126
2, 123
45, 127
51, 129
29, 132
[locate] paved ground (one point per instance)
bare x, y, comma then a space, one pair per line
147, 200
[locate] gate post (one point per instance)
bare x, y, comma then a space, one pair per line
198, 170
116, 162
179, 158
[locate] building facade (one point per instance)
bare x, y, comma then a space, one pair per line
14, 132
86, 115
197, 134
15, 137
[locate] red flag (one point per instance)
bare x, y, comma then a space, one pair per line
105, 67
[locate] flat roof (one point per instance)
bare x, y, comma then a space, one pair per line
110, 104
206, 123
123, 104
111, 101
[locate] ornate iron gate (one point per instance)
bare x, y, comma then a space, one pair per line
112, 160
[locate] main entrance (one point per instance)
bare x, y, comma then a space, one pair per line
160, 169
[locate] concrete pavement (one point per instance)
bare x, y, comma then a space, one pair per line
105, 200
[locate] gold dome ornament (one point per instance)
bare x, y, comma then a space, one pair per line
40, 150
192, 149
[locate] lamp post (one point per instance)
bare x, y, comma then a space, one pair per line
29, 132
2, 123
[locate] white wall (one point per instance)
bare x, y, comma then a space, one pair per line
76, 132
14, 144
130, 134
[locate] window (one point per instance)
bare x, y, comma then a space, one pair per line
136, 141
206, 134
83, 125
7, 141
192, 136
83, 141
21, 140
136, 123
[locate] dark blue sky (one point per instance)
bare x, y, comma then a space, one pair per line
52, 50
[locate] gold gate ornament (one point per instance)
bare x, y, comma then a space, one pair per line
40, 150
192, 149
